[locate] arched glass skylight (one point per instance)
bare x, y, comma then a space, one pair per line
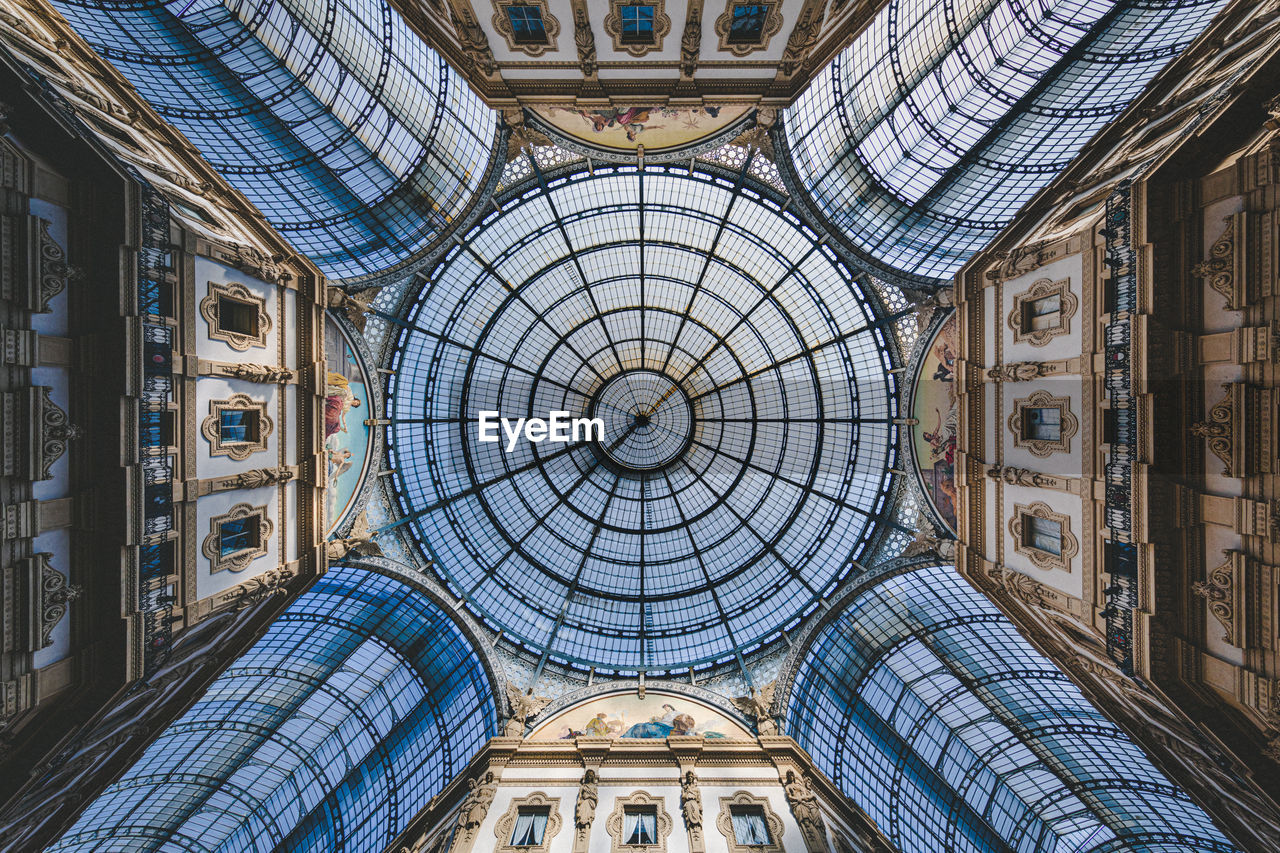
363, 700
944, 118
355, 139
745, 392
927, 708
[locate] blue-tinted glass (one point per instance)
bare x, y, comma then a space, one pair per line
237, 535
943, 119
356, 707
526, 24
925, 706
233, 426
747, 24
637, 22
355, 139
730, 532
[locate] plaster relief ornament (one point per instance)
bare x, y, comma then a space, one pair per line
585, 810
757, 707
691, 809
360, 541
480, 795
523, 706
354, 305
804, 805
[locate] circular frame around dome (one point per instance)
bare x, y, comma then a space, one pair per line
695, 548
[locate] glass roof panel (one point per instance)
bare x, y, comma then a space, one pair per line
943, 119
744, 392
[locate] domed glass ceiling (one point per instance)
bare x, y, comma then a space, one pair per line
744, 391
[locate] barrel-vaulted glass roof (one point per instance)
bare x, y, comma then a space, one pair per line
742, 375
362, 701
944, 118
355, 139
921, 701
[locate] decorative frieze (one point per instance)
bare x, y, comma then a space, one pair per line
1240, 430
33, 267
36, 596
1224, 269
1224, 589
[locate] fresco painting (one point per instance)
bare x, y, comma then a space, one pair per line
346, 436
626, 715
656, 128
935, 409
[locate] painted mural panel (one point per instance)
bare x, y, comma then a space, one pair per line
346, 436
657, 715
657, 128
935, 409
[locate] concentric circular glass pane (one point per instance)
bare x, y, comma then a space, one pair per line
738, 382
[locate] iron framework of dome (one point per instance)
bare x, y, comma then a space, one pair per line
747, 398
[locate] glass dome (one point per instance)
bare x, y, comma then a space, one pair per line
744, 393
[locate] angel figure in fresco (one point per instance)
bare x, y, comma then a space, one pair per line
338, 400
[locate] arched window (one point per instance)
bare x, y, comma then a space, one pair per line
355, 139
359, 704
944, 118
927, 708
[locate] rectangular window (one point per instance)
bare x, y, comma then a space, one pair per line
640, 825
526, 24
749, 827
529, 828
238, 534
747, 24
238, 426
1043, 534
237, 317
1042, 424
1042, 313
637, 24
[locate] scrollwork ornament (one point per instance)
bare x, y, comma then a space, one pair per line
1217, 429
55, 595
56, 432
1218, 270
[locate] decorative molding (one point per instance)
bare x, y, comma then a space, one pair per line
507, 823
212, 545
55, 432
1043, 559
584, 39
262, 373
1240, 430
772, 24
502, 23
55, 272
1040, 446
1225, 590
1041, 288
795, 56
724, 823
55, 594
661, 26
209, 308
211, 427
271, 582
1019, 371
691, 39
1224, 269
615, 824
1011, 476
